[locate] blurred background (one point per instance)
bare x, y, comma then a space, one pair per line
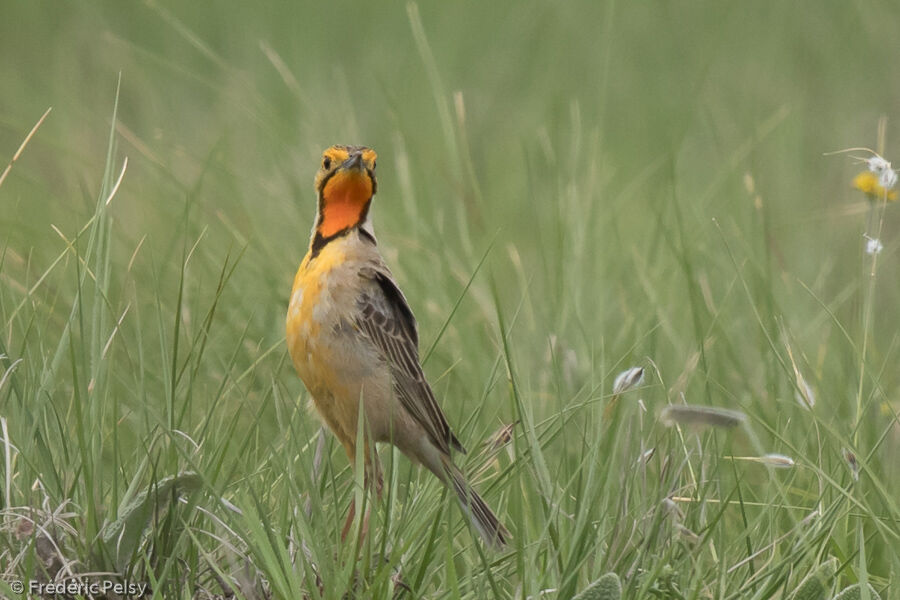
593, 142
646, 183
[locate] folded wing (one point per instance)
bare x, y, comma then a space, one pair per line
386, 319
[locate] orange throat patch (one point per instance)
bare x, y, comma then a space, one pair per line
344, 201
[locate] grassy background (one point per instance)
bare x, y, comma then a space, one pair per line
645, 184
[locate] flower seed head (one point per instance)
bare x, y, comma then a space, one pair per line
779, 461
852, 463
646, 455
805, 396
628, 379
687, 534
687, 414
502, 436
673, 510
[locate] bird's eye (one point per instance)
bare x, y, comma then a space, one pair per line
374, 164
326, 163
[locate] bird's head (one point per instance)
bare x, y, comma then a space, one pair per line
345, 184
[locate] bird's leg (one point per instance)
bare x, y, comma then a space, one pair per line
350, 448
374, 475
351, 513
372, 478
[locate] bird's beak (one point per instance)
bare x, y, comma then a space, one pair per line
355, 162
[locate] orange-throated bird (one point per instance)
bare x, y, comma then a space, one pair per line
353, 340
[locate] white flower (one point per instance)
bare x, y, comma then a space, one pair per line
628, 379
873, 246
878, 164
887, 178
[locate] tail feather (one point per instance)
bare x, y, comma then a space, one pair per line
482, 517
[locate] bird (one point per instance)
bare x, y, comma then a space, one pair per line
353, 340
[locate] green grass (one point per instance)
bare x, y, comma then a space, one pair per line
564, 192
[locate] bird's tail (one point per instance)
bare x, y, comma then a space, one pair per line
482, 517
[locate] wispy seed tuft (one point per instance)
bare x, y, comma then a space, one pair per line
628, 379
852, 463
687, 534
673, 510
779, 461
805, 396
645, 456
687, 414
502, 436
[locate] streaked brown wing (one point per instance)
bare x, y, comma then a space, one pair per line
386, 319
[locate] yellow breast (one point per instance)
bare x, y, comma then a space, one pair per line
312, 306
333, 362
323, 306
